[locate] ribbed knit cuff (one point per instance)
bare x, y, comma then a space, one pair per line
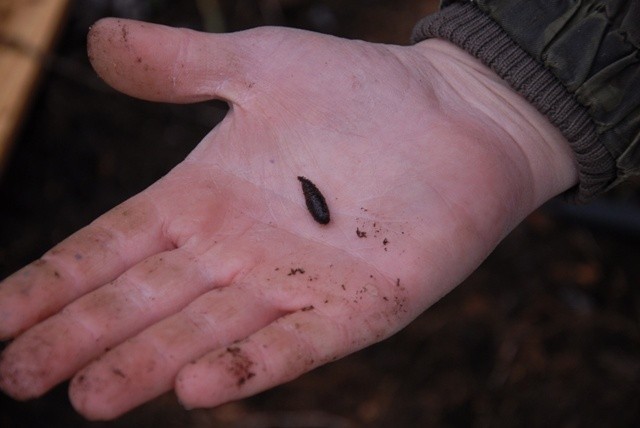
465, 25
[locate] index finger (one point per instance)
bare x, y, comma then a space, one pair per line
91, 257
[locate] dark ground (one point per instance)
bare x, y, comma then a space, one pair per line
545, 333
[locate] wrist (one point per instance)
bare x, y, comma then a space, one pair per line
531, 142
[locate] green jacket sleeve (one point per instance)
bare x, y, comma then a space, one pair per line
577, 61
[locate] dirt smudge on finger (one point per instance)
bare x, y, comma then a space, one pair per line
124, 33
241, 365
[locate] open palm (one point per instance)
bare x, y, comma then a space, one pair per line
216, 280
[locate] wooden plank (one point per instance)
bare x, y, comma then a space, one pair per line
28, 29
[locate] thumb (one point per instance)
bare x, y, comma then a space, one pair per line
159, 63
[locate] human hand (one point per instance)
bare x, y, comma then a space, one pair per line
216, 281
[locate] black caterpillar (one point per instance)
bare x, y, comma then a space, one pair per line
315, 201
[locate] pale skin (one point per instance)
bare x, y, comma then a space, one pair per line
216, 281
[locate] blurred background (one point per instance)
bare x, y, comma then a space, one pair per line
545, 333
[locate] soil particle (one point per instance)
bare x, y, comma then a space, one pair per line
295, 271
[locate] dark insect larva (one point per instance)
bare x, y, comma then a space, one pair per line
315, 201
